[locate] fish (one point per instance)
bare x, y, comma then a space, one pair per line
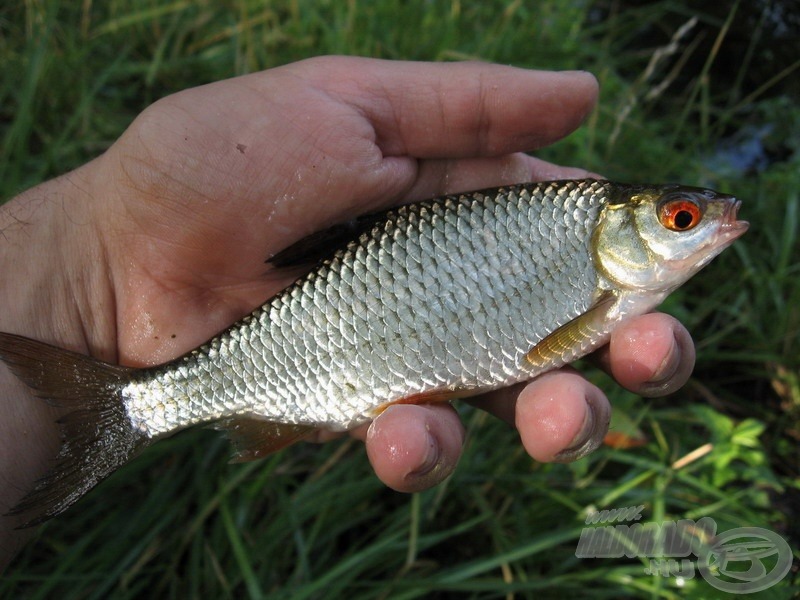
431, 301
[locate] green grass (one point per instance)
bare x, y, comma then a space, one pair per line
313, 522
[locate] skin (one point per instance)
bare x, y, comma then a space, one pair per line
159, 243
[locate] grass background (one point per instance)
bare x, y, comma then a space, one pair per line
701, 94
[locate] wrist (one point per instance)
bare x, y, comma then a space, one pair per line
51, 290
55, 286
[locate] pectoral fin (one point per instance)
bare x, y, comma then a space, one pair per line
575, 338
255, 438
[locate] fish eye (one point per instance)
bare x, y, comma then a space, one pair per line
680, 214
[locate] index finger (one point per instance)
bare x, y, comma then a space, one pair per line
454, 110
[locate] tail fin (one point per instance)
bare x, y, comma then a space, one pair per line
97, 436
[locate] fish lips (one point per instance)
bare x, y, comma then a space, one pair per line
731, 228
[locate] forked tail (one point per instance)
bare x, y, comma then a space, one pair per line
97, 435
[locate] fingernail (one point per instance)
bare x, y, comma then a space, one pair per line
431, 460
588, 438
661, 378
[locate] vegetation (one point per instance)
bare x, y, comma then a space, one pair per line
699, 97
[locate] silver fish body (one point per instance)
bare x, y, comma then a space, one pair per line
440, 299
445, 295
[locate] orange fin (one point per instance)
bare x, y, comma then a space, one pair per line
255, 438
429, 397
624, 431
623, 441
567, 343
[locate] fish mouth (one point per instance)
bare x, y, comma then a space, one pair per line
732, 228
729, 230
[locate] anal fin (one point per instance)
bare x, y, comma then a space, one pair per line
574, 339
255, 438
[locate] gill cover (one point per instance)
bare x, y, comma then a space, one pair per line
647, 239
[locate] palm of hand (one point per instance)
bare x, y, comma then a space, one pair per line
208, 193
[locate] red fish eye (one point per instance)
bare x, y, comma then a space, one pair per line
679, 215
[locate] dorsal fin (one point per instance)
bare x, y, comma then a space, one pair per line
316, 247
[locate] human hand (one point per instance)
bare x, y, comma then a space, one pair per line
208, 182
171, 226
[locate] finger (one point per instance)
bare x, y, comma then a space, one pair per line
560, 416
442, 110
414, 447
440, 176
651, 355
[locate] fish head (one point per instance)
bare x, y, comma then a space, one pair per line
654, 238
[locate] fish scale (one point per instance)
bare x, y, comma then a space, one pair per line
431, 301
444, 270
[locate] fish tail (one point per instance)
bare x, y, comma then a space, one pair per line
98, 437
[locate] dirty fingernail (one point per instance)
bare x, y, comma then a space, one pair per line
662, 379
430, 460
590, 435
